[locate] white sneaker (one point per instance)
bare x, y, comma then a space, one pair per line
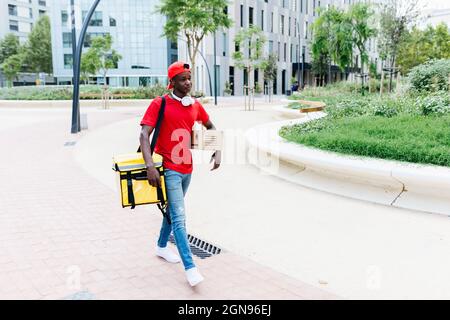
168, 255
194, 277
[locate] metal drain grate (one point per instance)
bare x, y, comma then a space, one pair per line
200, 248
70, 144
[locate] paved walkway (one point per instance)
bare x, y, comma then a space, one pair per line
281, 240
63, 234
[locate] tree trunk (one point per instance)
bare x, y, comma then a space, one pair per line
382, 81
362, 76
329, 72
391, 73
193, 44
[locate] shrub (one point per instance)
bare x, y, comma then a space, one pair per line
385, 110
437, 103
431, 76
198, 94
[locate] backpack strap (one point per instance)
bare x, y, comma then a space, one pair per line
158, 125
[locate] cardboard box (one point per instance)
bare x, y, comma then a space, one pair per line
207, 140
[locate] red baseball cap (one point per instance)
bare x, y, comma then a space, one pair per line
175, 69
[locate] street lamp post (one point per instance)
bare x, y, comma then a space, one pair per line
75, 117
76, 71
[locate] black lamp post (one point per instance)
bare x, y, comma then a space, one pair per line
215, 70
75, 113
76, 66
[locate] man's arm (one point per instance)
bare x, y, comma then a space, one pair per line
152, 173
217, 156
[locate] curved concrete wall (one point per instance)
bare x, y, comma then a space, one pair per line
403, 185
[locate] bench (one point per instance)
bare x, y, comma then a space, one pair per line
313, 106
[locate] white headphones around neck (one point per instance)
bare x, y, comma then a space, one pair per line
186, 101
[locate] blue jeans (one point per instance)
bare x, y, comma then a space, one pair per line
176, 187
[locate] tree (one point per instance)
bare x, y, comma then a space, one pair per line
395, 17
38, 49
100, 57
321, 44
270, 71
360, 14
420, 46
9, 46
12, 66
250, 57
195, 19
89, 65
332, 41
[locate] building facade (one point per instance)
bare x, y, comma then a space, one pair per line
19, 16
136, 32
286, 25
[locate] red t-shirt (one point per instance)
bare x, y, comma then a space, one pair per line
174, 140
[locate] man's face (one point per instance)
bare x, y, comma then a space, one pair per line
182, 82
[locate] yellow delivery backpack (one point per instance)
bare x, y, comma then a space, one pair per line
135, 189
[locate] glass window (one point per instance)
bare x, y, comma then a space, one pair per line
42, 3
90, 36
68, 61
13, 25
225, 44
289, 27
96, 20
271, 22
279, 50
250, 16
12, 9
67, 40
262, 20
64, 18
242, 15
112, 22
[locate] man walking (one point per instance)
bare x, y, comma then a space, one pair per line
173, 145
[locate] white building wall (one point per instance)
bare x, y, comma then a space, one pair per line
19, 16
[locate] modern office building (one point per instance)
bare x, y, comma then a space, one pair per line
136, 31
19, 16
287, 27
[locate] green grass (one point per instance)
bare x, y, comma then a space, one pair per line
406, 137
